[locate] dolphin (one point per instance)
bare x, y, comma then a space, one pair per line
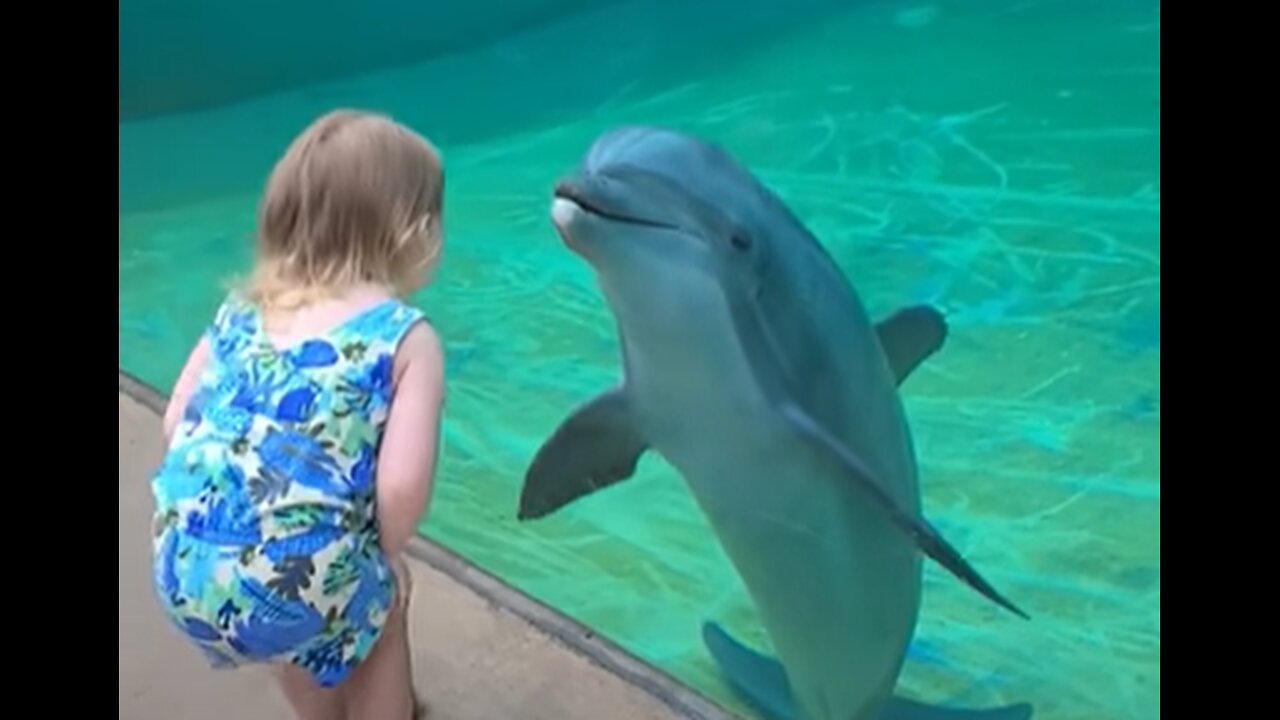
750, 364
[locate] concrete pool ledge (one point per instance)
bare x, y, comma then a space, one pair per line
482, 649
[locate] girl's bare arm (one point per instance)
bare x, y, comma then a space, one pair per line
407, 458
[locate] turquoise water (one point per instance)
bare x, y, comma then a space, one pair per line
1000, 159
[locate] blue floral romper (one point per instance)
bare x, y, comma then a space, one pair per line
265, 540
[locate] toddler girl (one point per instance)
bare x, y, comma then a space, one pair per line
302, 431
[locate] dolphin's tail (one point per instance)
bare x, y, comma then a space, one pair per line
762, 683
903, 709
760, 680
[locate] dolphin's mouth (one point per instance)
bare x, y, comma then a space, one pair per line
574, 193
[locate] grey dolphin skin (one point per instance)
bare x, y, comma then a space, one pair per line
752, 367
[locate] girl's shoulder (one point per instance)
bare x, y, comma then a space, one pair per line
234, 309
233, 326
383, 323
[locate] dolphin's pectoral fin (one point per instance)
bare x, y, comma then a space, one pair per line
925, 536
596, 446
760, 680
899, 708
909, 336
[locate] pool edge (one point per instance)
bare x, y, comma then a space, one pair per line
681, 699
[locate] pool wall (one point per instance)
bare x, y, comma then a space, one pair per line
181, 57
220, 59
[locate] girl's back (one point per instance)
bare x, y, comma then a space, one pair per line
268, 483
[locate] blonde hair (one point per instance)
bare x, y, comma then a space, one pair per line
356, 198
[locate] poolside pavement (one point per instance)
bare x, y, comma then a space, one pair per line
473, 658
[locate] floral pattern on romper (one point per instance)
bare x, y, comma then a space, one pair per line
265, 537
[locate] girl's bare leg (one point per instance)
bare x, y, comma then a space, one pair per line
381, 688
308, 700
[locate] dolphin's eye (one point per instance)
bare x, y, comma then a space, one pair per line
740, 242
